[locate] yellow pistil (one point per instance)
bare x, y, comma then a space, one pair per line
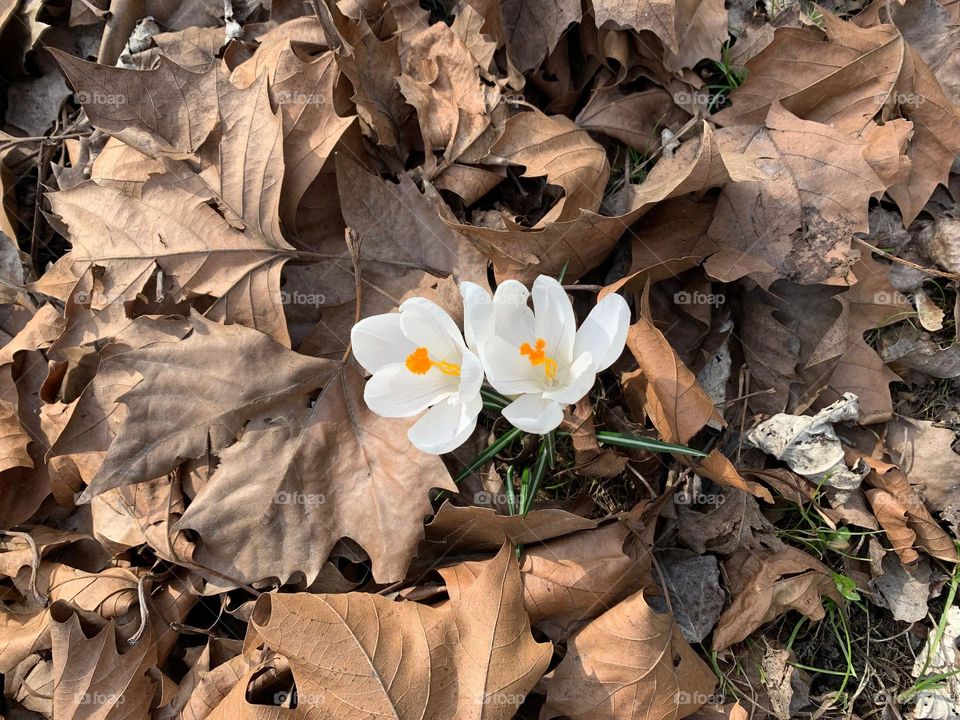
538, 356
419, 362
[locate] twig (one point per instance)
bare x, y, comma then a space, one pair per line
353, 244
100, 14
584, 288
43, 138
908, 263
35, 560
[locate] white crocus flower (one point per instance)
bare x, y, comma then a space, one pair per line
418, 360
538, 356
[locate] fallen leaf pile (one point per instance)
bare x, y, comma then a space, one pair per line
200, 516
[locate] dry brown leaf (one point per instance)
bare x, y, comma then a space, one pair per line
929, 315
936, 135
892, 516
630, 662
731, 522
193, 48
372, 66
766, 585
214, 233
929, 535
324, 472
405, 247
842, 360
589, 459
213, 687
304, 92
212, 358
555, 148
702, 29
166, 111
840, 76
481, 529
925, 452
635, 119
579, 245
532, 28
886, 149
689, 31
571, 579
718, 468
676, 404
798, 222
360, 655
440, 79
91, 678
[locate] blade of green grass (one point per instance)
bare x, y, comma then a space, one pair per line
632, 441
498, 445
511, 495
544, 458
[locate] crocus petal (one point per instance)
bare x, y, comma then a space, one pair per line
508, 371
378, 341
428, 325
478, 318
394, 391
578, 383
555, 321
471, 376
534, 414
604, 332
445, 426
514, 318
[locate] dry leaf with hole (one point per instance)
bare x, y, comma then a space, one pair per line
555, 148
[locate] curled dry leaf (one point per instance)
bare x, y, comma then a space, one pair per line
892, 516
767, 584
676, 404
930, 316
630, 657
896, 487
925, 452
555, 148
441, 81
580, 244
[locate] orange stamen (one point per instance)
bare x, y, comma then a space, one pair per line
538, 356
419, 363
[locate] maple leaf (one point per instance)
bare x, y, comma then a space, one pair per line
361, 655
324, 472
797, 223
